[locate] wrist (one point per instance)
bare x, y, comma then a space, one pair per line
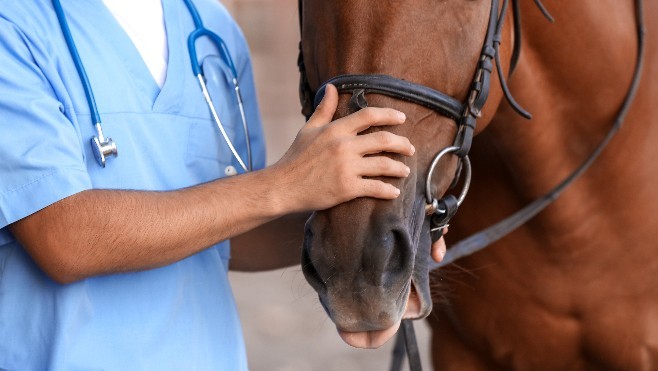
277, 196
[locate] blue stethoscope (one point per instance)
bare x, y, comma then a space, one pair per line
105, 147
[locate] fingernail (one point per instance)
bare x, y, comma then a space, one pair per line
401, 116
413, 149
408, 171
397, 192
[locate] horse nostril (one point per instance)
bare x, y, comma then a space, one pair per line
388, 259
397, 261
308, 268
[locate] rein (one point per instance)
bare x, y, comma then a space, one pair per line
465, 115
486, 237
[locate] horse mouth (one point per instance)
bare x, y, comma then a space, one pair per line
377, 338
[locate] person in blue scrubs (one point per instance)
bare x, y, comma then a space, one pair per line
125, 267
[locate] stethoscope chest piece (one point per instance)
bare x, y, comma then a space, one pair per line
103, 149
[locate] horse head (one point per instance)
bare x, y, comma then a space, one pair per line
369, 259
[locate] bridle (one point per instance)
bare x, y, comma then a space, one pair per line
465, 115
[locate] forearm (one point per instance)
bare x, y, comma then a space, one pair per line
104, 231
273, 245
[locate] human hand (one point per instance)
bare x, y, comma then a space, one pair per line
328, 162
439, 248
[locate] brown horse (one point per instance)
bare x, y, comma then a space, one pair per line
576, 287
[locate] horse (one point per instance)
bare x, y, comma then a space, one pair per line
573, 287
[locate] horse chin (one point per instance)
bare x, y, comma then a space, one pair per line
414, 309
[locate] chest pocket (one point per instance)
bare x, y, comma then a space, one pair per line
206, 141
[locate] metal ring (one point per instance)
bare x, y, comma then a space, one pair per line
435, 162
432, 207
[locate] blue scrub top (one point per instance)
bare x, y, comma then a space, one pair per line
179, 317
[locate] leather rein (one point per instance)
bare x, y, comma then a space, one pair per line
465, 115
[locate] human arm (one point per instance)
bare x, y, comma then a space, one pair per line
97, 232
277, 244
273, 245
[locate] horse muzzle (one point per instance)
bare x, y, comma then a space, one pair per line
366, 284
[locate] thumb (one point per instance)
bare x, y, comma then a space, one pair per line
326, 109
439, 250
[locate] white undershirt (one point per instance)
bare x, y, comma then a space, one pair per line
143, 21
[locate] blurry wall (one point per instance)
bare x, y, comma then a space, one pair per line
272, 30
284, 325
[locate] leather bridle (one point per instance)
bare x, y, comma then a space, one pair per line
465, 114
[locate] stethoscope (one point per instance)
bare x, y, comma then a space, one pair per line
103, 147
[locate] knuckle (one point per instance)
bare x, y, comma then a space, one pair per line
346, 184
342, 173
385, 138
379, 188
384, 163
329, 130
369, 114
400, 140
340, 148
396, 168
334, 130
394, 164
367, 188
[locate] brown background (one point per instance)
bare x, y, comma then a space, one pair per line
284, 325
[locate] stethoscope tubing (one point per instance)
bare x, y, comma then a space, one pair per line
245, 127
201, 31
215, 116
73, 50
105, 147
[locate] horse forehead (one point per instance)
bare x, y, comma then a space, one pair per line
396, 38
360, 19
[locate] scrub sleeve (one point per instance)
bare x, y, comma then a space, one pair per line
42, 159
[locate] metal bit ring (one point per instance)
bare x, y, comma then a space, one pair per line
431, 202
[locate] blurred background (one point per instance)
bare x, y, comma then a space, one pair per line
285, 327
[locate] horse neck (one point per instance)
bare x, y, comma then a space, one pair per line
573, 75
